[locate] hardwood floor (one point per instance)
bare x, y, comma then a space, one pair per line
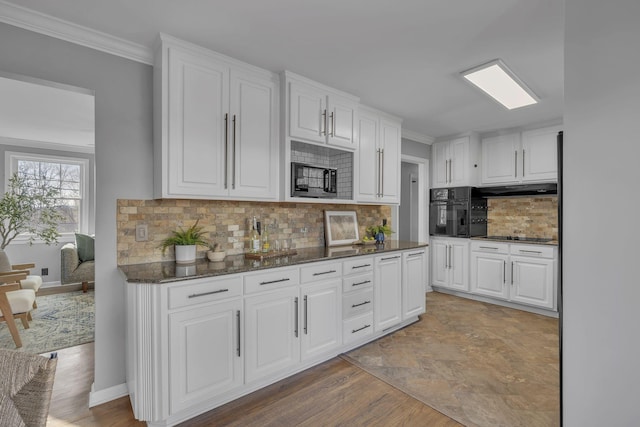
476, 362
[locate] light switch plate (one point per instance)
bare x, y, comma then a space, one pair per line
142, 233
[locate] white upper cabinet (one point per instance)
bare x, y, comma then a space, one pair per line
500, 158
319, 114
378, 175
530, 156
540, 154
453, 163
216, 126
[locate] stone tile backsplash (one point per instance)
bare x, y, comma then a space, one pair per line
227, 223
523, 216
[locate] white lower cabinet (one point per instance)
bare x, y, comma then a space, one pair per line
321, 318
271, 332
533, 281
518, 273
196, 344
197, 337
450, 263
388, 291
414, 278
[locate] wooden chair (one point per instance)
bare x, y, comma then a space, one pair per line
15, 303
29, 281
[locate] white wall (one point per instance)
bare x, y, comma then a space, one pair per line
123, 108
601, 344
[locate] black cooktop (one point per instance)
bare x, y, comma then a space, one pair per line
519, 239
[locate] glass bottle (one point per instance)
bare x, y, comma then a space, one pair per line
265, 239
254, 238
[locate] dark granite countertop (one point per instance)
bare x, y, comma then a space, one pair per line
519, 242
164, 272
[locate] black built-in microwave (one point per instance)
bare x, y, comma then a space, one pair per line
313, 181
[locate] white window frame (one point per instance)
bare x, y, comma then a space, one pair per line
11, 166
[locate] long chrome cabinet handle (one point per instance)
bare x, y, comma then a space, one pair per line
488, 247
226, 150
515, 164
323, 131
504, 272
361, 283
360, 266
324, 272
416, 253
512, 272
295, 305
333, 125
362, 303
233, 159
353, 331
530, 252
238, 325
274, 281
450, 256
390, 257
219, 291
379, 172
523, 162
305, 315
450, 167
382, 173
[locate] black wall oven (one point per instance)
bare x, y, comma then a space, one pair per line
457, 212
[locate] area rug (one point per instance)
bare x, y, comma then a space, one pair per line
60, 321
478, 363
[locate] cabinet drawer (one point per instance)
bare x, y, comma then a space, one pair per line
356, 303
357, 266
353, 283
489, 247
539, 251
358, 327
314, 272
271, 279
205, 290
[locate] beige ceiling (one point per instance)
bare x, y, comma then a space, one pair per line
401, 56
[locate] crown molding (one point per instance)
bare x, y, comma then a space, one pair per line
417, 137
32, 20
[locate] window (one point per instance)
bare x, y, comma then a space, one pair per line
67, 175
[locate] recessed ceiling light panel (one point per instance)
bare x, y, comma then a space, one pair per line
499, 82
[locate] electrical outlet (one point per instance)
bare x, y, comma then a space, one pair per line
44, 272
142, 233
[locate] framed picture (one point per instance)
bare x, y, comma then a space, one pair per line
340, 228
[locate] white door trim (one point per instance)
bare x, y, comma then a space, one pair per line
423, 197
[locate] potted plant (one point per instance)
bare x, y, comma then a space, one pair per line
215, 253
29, 208
185, 242
379, 231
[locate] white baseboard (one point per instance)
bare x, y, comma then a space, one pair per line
107, 395
51, 284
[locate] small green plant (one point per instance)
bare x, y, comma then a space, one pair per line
191, 236
375, 229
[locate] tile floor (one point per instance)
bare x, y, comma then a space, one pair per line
478, 363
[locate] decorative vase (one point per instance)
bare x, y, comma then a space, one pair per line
380, 238
185, 254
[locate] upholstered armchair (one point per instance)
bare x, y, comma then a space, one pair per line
15, 303
73, 269
26, 385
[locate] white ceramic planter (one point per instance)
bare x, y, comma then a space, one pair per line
185, 254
